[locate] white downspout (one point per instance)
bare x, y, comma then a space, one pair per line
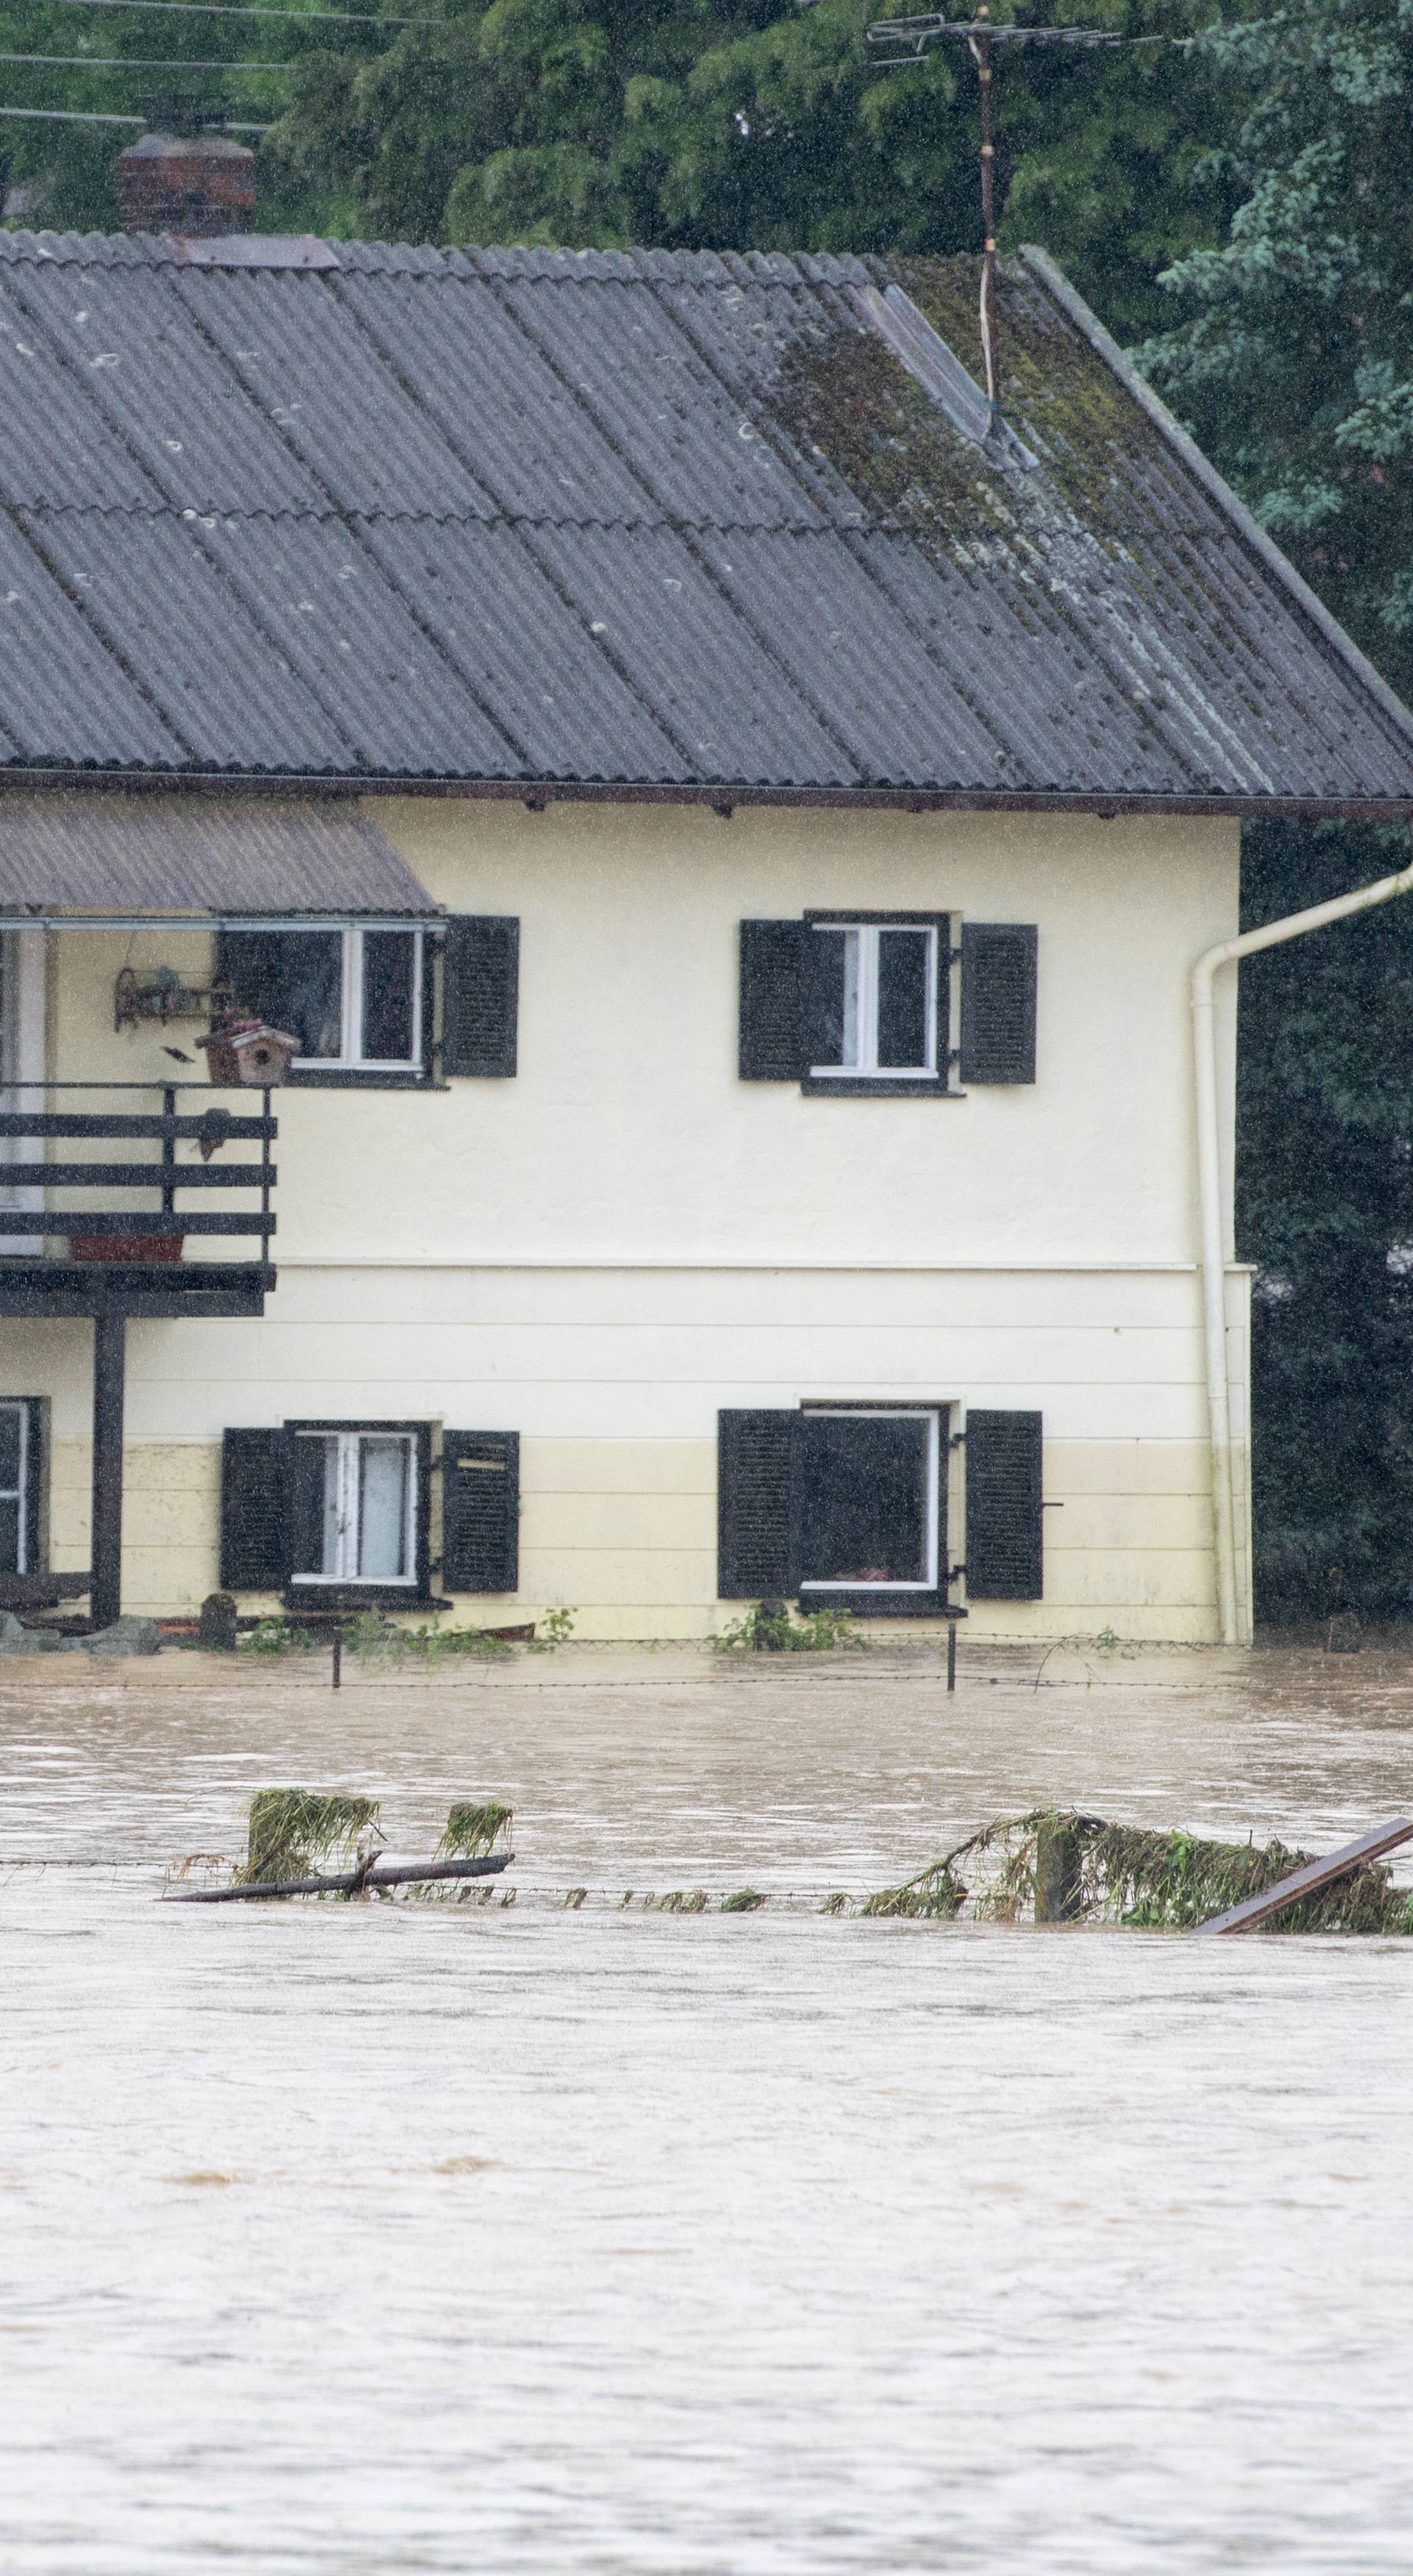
1273, 934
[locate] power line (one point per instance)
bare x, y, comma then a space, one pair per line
93, 116
253, 9
142, 63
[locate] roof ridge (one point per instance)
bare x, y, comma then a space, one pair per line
1072, 303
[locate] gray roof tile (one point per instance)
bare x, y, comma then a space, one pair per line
629, 517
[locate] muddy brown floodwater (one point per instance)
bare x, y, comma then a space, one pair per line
608, 2243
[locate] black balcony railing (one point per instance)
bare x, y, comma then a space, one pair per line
122, 1218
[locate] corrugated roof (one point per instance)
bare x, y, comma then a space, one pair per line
635, 519
236, 855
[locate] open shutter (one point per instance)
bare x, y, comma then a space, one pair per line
755, 1481
480, 995
772, 971
1004, 1521
254, 1511
36, 1492
998, 1001
480, 1511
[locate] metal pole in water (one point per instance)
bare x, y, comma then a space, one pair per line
951, 1654
105, 1599
338, 1659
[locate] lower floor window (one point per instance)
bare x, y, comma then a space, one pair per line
355, 1507
19, 1485
869, 1487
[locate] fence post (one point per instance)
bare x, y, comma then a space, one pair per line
1059, 1853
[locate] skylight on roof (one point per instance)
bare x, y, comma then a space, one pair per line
937, 368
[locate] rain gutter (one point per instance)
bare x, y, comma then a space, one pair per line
1272, 934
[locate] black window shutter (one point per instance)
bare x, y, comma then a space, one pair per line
772, 976
1004, 1552
36, 1501
998, 1001
254, 1511
480, 995
480, 1511
755, 1495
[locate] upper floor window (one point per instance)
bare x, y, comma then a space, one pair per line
352, 999
875, 993
853, 1005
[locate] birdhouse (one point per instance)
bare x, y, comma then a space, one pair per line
245, 1051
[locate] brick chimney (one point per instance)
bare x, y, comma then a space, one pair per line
200, 185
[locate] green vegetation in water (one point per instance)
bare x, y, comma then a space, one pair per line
813, 1632
371, 1637
294, 1831
277, 1637
1152, 1882
555, 1629
747, 1900
473, 1827
935, 1893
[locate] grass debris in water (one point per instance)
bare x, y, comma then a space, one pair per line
294, 1832
1152, 1882
473, 1827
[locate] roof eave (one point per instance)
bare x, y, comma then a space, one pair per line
720, 797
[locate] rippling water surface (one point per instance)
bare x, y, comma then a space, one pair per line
386, 2239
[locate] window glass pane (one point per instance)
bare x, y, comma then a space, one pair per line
834, 997
389, 976
9, 1448
866, 1499
291, 979
902, 998
10, 1537
314, 1505
382, 1541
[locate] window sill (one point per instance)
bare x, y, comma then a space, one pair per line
874, 1086
870, 1601
354, 1077
359, 1596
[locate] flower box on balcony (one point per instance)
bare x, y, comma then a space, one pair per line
126, 1247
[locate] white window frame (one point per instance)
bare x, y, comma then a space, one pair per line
932, 1415
865, 1063
347, 1476
19, 1494
349, 1059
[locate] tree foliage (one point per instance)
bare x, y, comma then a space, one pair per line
1294, 358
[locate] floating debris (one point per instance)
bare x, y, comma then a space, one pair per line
292, 1829
473, 1827
747, 1900
1055, 1865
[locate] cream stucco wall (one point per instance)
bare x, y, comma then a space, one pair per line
605, 1250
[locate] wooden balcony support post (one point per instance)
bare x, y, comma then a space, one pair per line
109, 1359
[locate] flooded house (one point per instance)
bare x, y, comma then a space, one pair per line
600, 868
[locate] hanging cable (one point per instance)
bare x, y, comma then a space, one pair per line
97, 116
142, 63
253, 9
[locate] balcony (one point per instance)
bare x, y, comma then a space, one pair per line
114, 1183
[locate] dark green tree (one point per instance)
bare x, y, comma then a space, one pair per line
1293, 361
